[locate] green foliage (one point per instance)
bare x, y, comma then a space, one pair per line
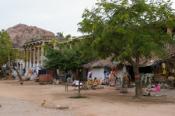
129, 30
70, 56
5, 47
16, 53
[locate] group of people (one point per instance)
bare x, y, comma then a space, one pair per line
31, 73
4, 70
117, 78
92, 82
13, 70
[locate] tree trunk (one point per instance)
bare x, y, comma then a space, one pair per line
77, 73
79, 94
10, 73
138, 87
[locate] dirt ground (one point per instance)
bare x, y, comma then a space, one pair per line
26, 100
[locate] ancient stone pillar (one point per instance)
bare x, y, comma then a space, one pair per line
34, 56
42, 53
25, 57
39, 55
27, 61
30, 57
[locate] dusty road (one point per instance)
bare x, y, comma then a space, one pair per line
17, 100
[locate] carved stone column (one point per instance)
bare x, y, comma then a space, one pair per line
30, 57
38, 58
34, 56
25, 57
42, 53
39, 55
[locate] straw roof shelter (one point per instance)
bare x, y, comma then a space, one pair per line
100, 63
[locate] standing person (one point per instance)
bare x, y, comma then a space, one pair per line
37, 70
106, 76
89, 75
29, 74
66, 83
110, 78
4, 67
24, 71
125, 83
68, 80
14, 74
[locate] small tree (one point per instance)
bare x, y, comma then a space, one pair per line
71, 56
130, 30
5, 47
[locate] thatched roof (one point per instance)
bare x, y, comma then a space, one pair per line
109, 63
100, 63
149, 62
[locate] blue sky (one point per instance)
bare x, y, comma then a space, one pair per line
53, 15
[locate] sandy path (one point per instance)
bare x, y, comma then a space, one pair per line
18, 100
16, 107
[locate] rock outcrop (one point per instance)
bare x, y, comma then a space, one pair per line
22, 33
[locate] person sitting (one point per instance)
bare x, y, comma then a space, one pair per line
95, 83
156, 89
146, 92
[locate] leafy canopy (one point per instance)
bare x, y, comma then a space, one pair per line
5, 47
129, 29
71, 55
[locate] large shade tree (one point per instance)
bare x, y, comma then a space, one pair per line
8, 54
130, 30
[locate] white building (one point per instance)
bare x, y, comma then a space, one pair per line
97, 68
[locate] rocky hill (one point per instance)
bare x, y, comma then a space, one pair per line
22, 33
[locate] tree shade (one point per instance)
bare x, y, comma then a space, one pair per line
130, 30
